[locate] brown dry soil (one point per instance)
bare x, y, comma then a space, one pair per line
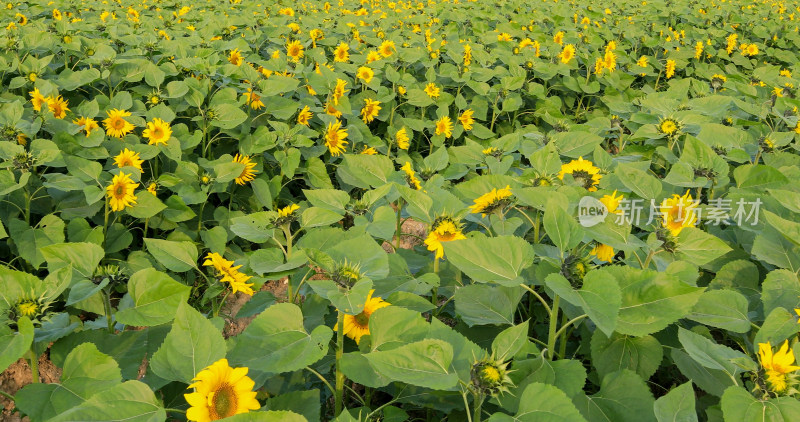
18, 374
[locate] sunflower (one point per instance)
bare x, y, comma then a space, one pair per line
610, 61
373, 56
304, 116
220, 392
286, 215
253, 99
698, 50
341, 53
777, 365
432, 90
558, 38
158, 132
642, 62
294, 50
466, 119
87, 124
444, 126
120, 192
603, 252
335, 137
370, 110
567, 54
612, 202
678, 212
583, 171
670, 68
235, 57
365, 74
58, 106
357, 326
495, 200
152, 187
331, 110
116, 125
669, 127
411, 176
504, 36
387, 48
339, 91
227, 273
248, 173
402, 139
369, 151
467, 54
128, 158
57, 14
37, 99
443, 229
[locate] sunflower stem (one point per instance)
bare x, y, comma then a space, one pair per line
399, 228
7, 396
476, 415
287, 231
339, 375
168, 410
105, 224
551, 336
435, 292
34, 362
107, 309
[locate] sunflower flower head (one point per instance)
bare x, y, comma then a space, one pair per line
37, 99
248, 172
494, 201
158, 132
444, 126
411, 176
402, 139
370, 110
225, 272
304, 116
286, 215
294, 50
220, 391
120, 192
57, 106
567, 54
489, 376
466, 119
678, 212
86, 124
669, 127
128, 158
432, 90
603, 252
335, 137
116, 125
235, 57
357, 326
779, 367
365, 74
583, 172
612, 202
444, 229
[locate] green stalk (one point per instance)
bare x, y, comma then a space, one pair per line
287, 231
551, 336
107, 308
399, 228
476, 415
34, 362
435, 292
105, 224
339, 394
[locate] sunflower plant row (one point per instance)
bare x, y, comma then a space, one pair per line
433, 210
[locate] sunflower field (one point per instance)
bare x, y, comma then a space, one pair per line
400, 210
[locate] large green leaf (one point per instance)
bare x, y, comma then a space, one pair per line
83, 257
276, 341
480, 304
639, 354
650, 300
599, 296
781, 288
425, 363
562, 229
153, 298
699, 247
623, 397
176, 256
13, 345
677, 406
131, 401
726, 309
543, 403
491, 259
192, 344
740, 406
